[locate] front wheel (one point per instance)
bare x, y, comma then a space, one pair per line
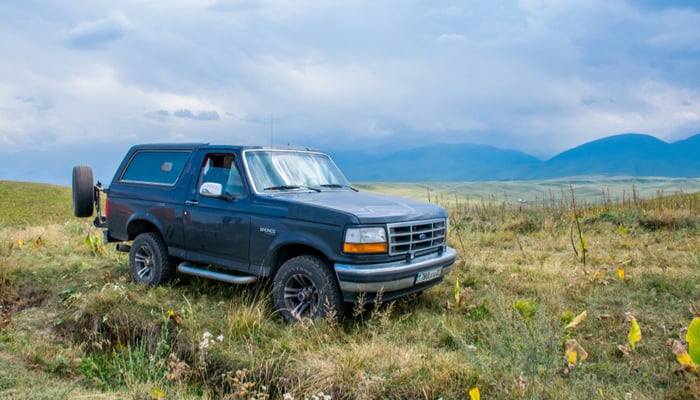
149, 261
306, 288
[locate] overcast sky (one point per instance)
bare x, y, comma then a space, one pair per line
539, 76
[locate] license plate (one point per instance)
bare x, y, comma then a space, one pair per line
428, 275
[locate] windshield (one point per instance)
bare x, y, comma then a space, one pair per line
272, 170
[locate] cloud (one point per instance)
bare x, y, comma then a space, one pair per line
447, 38
676, 31
38, 104
160, 115
163, 115
98, 33
199, 116
535, 75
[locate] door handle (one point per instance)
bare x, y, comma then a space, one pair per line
191, 202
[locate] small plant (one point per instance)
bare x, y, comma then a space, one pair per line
243, 387
576, 321
381, 312
635, 334
525, 308
574, 354
693, 337
460, 296
623, 230
633, 337
94, 243
582, 245
689, 359
683, 357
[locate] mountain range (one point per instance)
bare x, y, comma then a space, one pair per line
629, 154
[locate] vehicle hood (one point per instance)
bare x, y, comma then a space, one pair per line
368, 208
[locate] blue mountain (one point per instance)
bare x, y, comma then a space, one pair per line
630, 154
627, 154
444, 162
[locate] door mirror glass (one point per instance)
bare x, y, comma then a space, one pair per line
210, 189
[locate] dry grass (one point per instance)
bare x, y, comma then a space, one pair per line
73, 315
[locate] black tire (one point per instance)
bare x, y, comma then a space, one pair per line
305, 288
83, 191
149, 261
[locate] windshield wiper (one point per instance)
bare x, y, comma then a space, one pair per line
292, 187
337, 186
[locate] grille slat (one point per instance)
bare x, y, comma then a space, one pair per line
417, 237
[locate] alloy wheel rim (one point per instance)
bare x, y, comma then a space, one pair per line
144, 262
301, 296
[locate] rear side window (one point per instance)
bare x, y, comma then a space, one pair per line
160, 167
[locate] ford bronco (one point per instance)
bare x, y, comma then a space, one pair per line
240, 213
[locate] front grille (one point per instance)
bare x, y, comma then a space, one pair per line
416, 237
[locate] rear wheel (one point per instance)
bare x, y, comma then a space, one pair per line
305, 288
149, 261
83, 191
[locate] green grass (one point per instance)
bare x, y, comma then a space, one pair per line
32, 204
588, 189
73, 325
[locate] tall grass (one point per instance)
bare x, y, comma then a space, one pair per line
73, 314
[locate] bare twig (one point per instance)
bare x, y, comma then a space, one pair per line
582, 241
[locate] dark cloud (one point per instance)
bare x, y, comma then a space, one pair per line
98, 33
160, 115
593, 101
200, 116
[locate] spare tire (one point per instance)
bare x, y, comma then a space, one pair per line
83, 191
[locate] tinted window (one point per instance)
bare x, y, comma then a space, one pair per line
162, 167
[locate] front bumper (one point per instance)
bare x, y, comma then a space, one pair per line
393, 279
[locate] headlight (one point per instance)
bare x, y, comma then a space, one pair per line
365, 240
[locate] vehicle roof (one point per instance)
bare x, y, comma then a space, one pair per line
202, 145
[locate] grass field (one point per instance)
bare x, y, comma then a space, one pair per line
72, 325
591, 189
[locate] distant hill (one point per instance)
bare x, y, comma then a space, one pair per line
438, 162
626, 154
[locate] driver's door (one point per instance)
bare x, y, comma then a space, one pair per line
217, 223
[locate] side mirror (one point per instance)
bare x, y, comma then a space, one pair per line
211, 189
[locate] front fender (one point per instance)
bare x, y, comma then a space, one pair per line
287, 243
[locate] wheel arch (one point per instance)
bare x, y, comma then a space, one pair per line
287, 251
139, 224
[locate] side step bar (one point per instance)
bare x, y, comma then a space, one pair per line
218, 276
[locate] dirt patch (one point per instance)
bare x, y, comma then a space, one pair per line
21, 298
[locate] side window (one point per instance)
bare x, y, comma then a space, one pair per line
221, 169
159, 167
